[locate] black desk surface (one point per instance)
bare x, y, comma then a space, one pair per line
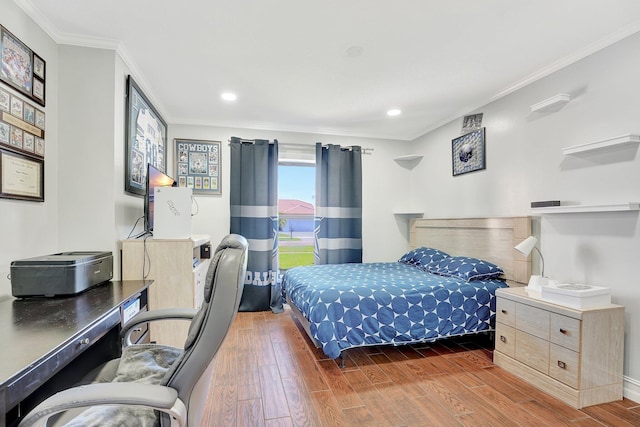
33, 329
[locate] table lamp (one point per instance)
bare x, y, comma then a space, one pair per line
525, 247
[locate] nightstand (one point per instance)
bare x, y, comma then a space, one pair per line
575, 355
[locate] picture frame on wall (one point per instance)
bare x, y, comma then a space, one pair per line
145, 139
468, 152
21, 176
21, 68
29, 113
5, 100
38, 90
197, 165
40, 119
16, 106
38, 66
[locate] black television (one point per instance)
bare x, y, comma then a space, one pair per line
155, 178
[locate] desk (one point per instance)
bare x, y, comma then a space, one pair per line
45, 340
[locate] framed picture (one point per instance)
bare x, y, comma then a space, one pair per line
19, 65
146, 139
16, 106
471, 123
29, 113
5, 100
38, 66
39, 147
38, 90
5, 130
16, 137
468, 152
198, 165
21, 177
28, 142
40, 119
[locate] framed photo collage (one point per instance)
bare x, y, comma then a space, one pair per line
22, 120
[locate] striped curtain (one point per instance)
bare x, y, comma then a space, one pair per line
254, 215
338, 217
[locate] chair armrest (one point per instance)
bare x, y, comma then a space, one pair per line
154, 315
157, 397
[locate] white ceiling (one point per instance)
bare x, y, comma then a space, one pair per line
289, 63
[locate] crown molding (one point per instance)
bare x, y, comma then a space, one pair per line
91, 42
604, 42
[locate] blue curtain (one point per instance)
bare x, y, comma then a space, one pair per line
338, 217
254, 215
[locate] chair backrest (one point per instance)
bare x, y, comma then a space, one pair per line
191, 374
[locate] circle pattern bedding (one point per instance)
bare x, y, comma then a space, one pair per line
353, 305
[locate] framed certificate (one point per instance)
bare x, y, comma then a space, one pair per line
21, 176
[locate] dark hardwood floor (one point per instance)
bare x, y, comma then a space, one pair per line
269, 374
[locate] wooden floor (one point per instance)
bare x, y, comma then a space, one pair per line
269, 374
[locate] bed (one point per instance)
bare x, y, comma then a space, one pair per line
443, 286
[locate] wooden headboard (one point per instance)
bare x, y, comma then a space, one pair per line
491, 239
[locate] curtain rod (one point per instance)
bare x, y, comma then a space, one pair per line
291, 144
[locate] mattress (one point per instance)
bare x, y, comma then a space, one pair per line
354, 305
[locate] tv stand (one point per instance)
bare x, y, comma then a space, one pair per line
178, 271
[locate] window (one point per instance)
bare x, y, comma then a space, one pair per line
296, 196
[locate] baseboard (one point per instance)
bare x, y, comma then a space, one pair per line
631, 389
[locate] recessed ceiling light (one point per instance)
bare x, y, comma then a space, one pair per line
355, 51
394, 112
228, 96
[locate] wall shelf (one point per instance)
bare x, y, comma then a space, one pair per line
605, 143
551, 104
408, 157
618, 207
409, 213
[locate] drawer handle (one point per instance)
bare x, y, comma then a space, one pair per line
563, 331
562, 365
503, 311
503, 338
84, 341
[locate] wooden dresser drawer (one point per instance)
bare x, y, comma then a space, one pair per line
565, 331
532, 351
532, 320
506, 311
564, 365
506, 339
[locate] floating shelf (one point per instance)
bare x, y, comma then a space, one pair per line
408, 157
605, 143
618, 207
551, 104
409, 213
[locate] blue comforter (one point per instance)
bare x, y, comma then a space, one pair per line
352, 305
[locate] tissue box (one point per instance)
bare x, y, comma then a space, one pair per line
576, 295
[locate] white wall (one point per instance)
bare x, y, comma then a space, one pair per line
29, 229
95, 213
525, 163
384, 235
86, 157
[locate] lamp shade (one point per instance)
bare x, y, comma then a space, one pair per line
526, 246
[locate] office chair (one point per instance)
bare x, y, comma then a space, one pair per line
174, 391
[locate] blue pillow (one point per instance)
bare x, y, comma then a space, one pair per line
465, 268
423, 256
